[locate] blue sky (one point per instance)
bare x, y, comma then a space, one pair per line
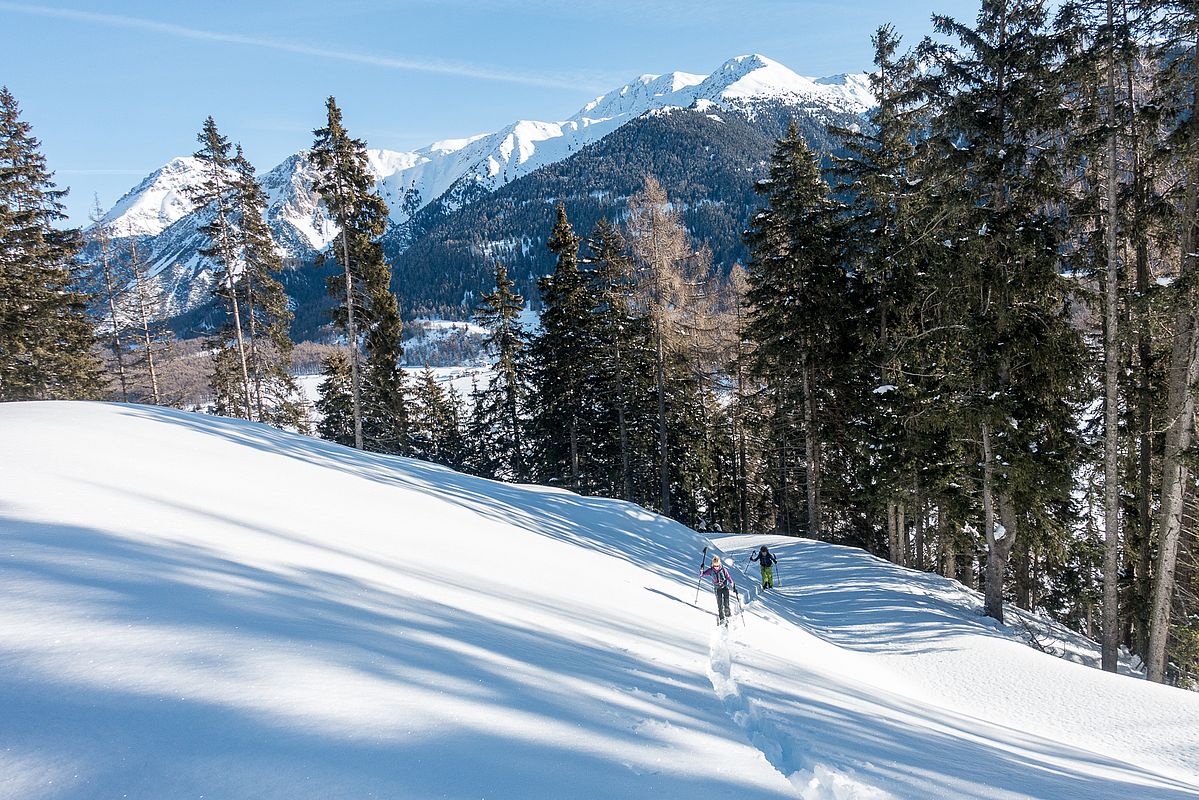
115, 89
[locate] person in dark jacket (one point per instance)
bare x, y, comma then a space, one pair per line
766, 560
722, 582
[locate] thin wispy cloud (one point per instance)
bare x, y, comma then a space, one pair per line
101, 171
436, 66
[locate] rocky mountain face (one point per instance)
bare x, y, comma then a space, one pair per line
456, 205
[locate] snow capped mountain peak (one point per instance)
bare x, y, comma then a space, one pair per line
458, 171
645, 93
157, 202
855, 87
749, 80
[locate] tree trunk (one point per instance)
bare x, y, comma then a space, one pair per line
1111, 386
1184, 371
893, 533
1180, 421
813, 469
949, 548
118, 352
626, 476
970, 567
352, 336
998, 549
574, 452
663, 451
918, 541
1022, 556
255, 361
784, 490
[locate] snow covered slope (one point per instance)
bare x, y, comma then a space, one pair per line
193, 606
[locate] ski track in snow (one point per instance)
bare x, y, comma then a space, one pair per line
781, 748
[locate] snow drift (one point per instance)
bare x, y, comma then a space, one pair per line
195, 606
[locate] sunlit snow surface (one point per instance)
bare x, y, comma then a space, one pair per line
199, 607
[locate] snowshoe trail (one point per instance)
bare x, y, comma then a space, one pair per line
781, 748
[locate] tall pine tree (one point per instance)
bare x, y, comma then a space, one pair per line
46, 338
367, 309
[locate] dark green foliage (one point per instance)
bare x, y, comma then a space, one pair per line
496, 436
803, 311
436, 428
336, 403
563, 361
217, 194
277, 398
347, 190
46, 338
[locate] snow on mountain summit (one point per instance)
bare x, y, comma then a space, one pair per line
410, 180
157, 202
755, 79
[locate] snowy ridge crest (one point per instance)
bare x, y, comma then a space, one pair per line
409, 180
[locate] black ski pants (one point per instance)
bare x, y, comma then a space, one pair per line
722, 604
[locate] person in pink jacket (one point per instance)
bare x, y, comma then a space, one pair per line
722, 583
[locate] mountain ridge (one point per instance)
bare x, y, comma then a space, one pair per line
424, 186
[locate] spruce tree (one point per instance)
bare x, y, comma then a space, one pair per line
1177, 93
623, 369
496, 436
998, 106
46, 338
799, 294
335, 406
276, 396
563, 359
436, 432
217, 195
367, 309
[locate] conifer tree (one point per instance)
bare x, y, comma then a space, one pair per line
335, 405
1177, 48
998, 107
799, 294
46, 338
276, 396
624, 367
563, 362
217, 194
368, 311
888, 248
436, 422
496, 428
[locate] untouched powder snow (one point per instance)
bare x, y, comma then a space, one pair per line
193, 606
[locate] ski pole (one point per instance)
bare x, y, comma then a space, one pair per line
740, 608
699, 583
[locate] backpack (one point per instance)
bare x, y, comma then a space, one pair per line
720, 577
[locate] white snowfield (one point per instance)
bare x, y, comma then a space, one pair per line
200, 607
